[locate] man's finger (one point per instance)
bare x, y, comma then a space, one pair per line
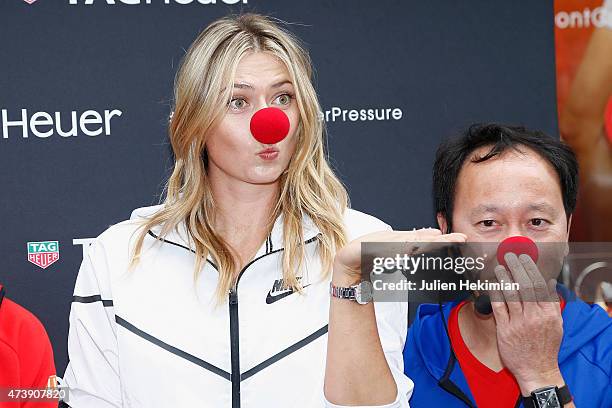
540, 287
452, 237
553, 296
500, 311
520, 276
511, 297
435, 243
425, 234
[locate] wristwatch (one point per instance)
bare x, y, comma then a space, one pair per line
548, 397
360, 293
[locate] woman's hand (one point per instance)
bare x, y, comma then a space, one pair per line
348, 259
357, 370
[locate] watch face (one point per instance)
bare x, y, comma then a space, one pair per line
363, 294
547, 398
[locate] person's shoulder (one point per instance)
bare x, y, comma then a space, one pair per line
145, 212
126, 228
121, 235
588, 330
358, 223
602, 341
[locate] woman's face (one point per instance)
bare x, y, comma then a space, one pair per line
261, 81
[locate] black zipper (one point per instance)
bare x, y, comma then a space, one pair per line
235, 335
449, 386
235, 347
234, 328
235, 375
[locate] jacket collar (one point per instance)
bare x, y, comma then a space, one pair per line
451, 379
273, 243
309, 231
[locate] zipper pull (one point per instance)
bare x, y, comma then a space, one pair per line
233, 297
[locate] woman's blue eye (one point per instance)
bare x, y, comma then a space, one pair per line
284, 99
237, 103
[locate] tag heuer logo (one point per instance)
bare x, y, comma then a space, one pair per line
43, 253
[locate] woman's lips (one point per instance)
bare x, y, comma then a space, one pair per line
268, 154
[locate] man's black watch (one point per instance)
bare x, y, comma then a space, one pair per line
548, 397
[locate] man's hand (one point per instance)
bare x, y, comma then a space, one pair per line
529, 325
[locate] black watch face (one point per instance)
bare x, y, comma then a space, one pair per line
547, 399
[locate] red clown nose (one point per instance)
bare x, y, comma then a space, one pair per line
517, 245
269, 125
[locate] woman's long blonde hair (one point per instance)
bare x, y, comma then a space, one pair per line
202, 90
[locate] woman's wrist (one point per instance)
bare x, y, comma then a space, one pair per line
345, 276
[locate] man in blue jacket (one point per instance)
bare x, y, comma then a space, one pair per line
491, 183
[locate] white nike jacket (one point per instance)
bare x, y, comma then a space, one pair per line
153, 337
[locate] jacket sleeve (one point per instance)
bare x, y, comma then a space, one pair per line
392, 322
92, 375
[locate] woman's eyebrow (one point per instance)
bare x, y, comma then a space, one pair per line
244, 85
281, 83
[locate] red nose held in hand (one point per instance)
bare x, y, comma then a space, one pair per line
518, 245
269, 125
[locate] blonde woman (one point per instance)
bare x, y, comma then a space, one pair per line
220, 296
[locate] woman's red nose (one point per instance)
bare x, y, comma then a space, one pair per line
269, 125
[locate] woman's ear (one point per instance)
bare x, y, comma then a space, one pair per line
442, 224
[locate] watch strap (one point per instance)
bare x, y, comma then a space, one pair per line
563, 395
528, 402
342, 292
360, 292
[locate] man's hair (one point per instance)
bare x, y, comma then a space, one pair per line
452, 154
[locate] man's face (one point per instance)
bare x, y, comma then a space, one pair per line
515, 193
511, 194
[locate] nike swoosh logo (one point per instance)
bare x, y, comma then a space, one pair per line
273, 298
